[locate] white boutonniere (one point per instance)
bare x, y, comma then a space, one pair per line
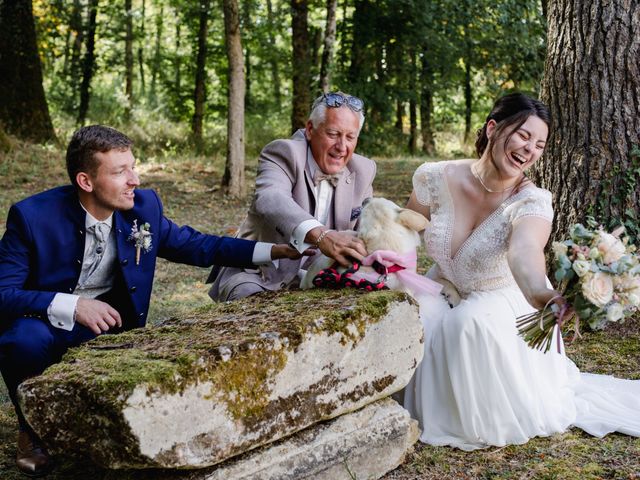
141, 237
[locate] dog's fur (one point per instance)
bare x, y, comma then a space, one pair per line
383, 226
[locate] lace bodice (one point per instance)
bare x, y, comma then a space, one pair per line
481, 261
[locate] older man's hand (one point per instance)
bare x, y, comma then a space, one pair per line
342, 247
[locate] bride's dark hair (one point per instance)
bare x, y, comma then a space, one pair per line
511, 110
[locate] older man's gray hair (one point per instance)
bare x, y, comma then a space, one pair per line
319, 112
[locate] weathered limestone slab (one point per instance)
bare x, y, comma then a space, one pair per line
364, 444
228, 379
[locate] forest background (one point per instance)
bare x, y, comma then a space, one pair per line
202, 86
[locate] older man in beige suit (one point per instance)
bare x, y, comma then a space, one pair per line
309, 190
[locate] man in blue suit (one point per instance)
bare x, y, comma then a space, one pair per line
78, 261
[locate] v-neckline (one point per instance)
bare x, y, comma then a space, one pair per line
449, 236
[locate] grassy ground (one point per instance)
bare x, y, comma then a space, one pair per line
189, 188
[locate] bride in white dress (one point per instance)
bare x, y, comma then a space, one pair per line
479, 384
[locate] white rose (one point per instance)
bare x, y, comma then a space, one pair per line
611, 247
581, 267
559, 249
633, 299
597, 288
615, 312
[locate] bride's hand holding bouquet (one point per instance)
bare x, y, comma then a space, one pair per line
599, 277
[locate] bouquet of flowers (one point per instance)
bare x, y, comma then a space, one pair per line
598, 274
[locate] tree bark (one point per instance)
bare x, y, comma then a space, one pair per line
329, 42
273, 60
141, 42
233, 177
245, 27
178, 62
426, 108
75, 69
156, 55
23, 106
592, 86
300, 64
413, 114
200, 93
128, 56
88, 63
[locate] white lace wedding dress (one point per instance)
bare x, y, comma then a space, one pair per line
479, 384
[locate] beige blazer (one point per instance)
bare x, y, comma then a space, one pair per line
285, 196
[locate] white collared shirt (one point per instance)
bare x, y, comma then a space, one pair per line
324, 196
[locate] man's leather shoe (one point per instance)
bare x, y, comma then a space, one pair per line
32, 458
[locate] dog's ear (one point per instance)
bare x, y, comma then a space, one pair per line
413, 220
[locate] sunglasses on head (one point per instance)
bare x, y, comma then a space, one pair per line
336, 100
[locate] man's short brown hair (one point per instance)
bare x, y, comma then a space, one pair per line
86, 142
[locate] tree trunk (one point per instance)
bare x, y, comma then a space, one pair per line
329, 42
399, 115
468, 98
75, 68
199, 94
592, 86
413, 114
23, 106
141, 42
273, 60
128, 57
234, 168
246, 27
156, 55
300, 64
88, 63
178, 63
426, 108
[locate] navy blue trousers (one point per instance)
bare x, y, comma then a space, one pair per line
29, 346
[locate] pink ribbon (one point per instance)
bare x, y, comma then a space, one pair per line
415, 283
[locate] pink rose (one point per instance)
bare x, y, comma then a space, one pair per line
610, 247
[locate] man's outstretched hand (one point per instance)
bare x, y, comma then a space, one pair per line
281, 250
342, 247
97, 316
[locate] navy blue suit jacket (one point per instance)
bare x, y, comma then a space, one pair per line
42, 250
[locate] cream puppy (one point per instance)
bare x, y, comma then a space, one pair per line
383, 226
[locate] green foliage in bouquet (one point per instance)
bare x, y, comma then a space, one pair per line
598, 274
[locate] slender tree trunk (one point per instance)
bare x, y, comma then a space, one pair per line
234, 169
413, 108
399, 115
300, 64
23, 106
314, 64
592, 86
88, 63
75, 71
128, 56
426, 107
273, 60
141, 42
329, 42
156, 55
178, 62
199, 94
468, 97
246, 27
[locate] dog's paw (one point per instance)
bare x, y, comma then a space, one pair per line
450, 293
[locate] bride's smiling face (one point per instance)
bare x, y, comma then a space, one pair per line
516, 153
